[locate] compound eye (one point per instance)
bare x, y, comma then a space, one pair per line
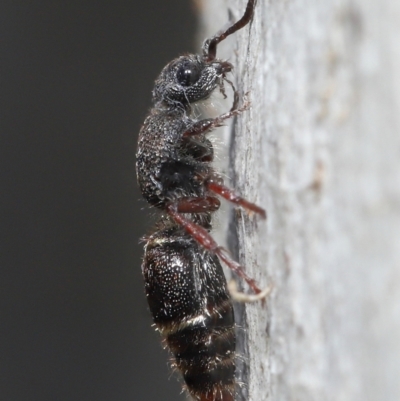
188, 74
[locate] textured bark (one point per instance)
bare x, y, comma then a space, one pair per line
320, 150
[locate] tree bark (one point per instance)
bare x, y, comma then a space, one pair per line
320, 150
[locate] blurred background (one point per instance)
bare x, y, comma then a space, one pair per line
76, 81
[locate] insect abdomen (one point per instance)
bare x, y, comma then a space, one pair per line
204, 352
190, 304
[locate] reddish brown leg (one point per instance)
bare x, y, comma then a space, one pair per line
198, 205
208, 124
228, 194
202, 236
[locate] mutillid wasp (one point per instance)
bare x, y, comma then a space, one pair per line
184, 281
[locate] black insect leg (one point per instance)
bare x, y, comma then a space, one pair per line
202, 236
235, 94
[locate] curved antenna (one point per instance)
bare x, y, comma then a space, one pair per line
210, 45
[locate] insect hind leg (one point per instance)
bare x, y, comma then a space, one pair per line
203, 237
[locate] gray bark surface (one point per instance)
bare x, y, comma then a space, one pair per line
320, 150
